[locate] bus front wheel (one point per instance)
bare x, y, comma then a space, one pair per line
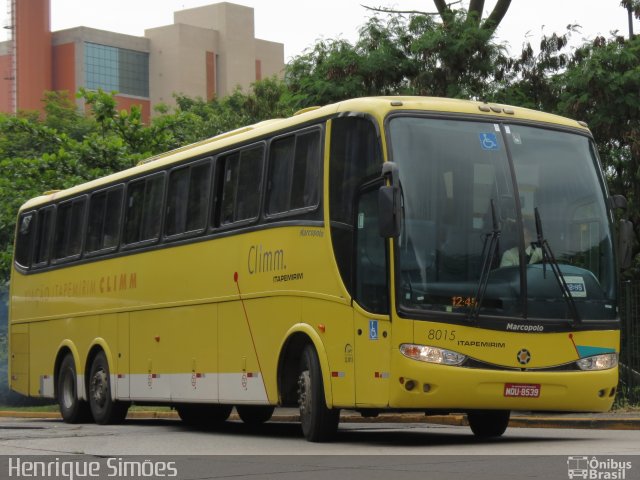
254, 414
488, 424
72, 409
104, 409
319, 423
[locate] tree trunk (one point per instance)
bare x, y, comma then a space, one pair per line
498, 13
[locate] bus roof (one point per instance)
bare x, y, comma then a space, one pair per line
378, 107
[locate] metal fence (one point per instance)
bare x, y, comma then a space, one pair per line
629, 387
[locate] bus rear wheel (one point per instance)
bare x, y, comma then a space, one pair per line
72, 409
319, 423
203, 415
488, 424
104, 409
255, 414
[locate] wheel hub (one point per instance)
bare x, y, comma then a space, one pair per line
68, 390
99, 388
304, 387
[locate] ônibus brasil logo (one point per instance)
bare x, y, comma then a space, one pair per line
596, 469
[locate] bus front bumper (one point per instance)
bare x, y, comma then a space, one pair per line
421, 385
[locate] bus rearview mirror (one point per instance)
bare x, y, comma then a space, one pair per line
389, 211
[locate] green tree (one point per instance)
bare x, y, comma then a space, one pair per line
602, 86
66, 148
530, 81
398, 54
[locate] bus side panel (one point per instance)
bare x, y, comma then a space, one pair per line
45, 339
194, 337
241, 379
173, 354
108, 340
150, 352
19, 359
338, 342
122, 358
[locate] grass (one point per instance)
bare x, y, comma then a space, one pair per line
54, 408
39, 408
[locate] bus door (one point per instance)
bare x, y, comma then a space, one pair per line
371, 304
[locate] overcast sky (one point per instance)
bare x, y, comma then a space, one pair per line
298, 24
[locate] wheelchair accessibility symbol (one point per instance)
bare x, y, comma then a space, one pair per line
373, 329
488, 141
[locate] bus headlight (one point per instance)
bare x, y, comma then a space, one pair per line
424, 353
599, 362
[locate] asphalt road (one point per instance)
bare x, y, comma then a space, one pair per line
171, 437
277, 451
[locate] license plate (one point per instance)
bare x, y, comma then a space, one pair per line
526, 390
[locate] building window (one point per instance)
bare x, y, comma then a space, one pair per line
111, 68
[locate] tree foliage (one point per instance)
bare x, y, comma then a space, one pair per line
601, 85
397, 55
451, 52
66, 148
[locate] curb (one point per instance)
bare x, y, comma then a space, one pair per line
517, 421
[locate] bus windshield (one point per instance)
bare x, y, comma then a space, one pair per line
470, 192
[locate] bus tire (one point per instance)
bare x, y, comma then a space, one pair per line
319, 423
72, 409
255, 414
203, 415
488, 424
104, 409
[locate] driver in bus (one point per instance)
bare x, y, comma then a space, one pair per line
533, 252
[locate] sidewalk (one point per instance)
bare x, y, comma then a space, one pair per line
598, 421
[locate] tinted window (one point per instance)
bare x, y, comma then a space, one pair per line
143, 210
26, 227
103, 228
188, 199
43, 236
242, 185
371, 289
280, 162
294, 171
355, 156
67, 241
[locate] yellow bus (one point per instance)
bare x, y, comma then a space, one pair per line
378, 254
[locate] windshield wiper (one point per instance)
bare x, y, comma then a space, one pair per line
488, 256
547, 255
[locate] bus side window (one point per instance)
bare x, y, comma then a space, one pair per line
188, 199
242, 185
67, 239
281, 155
294, 173
143, 210
306, 171
103, 226
44, 228
24, 238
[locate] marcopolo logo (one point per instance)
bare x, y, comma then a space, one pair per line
596, 469
515, 327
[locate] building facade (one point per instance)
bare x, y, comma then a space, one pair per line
207, 52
